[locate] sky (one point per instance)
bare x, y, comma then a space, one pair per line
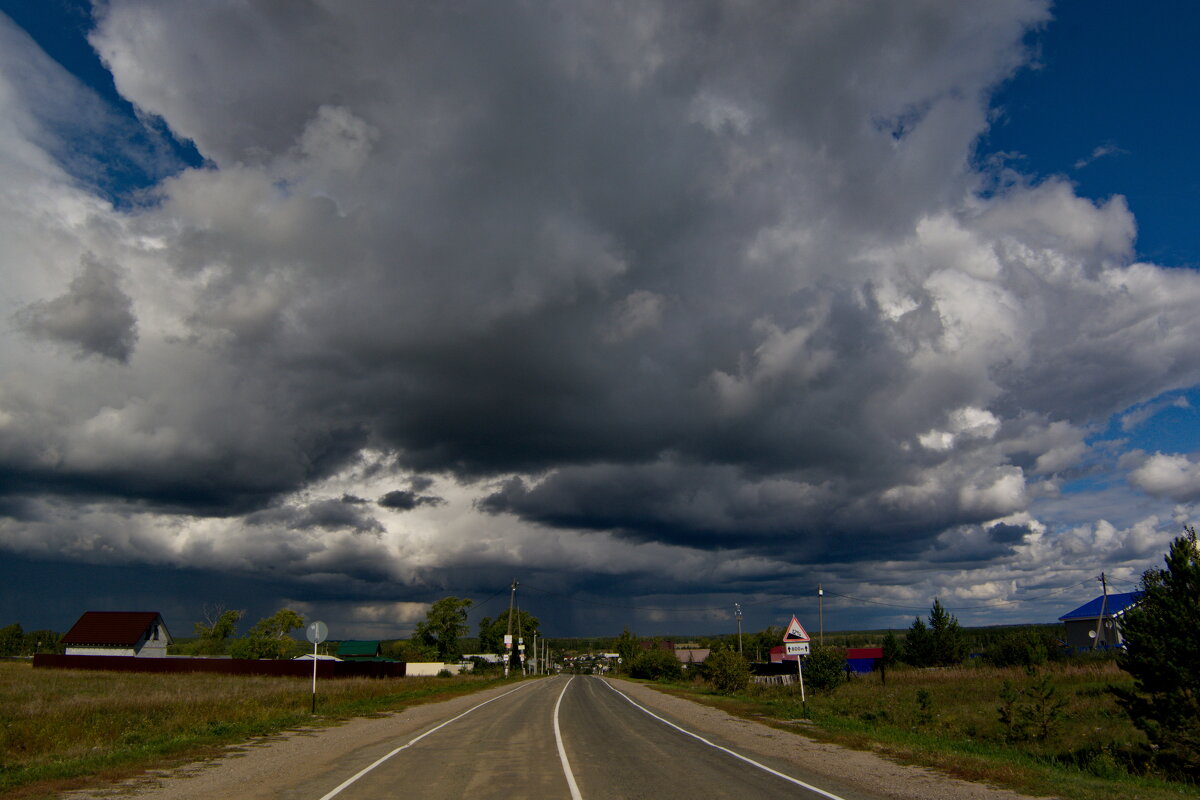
652, 307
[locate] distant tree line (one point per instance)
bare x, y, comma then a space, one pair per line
14, 641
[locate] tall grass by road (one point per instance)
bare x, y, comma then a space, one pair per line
1065, 735
62, 728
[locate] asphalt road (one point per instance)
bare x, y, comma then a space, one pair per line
562, 737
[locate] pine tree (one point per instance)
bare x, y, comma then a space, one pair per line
918, 645
891, 649
1162, 653
949, 646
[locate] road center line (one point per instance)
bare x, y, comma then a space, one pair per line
562, 753
338, 789
736, 755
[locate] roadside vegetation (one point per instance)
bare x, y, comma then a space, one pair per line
1051, 731
1023, 713
61, 729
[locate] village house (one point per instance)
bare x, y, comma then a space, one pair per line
358, 650
118, 633
1097, 624
692, 655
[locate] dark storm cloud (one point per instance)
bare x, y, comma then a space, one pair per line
95, 315
711, 506
402, 500
330, 514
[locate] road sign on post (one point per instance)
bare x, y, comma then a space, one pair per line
316, 632
796, 640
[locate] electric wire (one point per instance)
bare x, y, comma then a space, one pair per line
783, 597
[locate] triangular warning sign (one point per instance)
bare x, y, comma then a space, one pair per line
796, 632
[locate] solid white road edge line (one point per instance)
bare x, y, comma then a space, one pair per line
562, 753
338, 789
763, 767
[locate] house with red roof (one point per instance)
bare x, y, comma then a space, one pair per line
118, 633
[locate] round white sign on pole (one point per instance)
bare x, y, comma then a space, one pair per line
317, 632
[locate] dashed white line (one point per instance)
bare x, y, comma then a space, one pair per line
736, 755
562, 753
338, 789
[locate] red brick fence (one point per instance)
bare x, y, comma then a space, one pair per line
225, 666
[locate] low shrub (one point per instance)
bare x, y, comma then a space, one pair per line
656, 665
727, 671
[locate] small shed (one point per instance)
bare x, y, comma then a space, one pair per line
350, 651
1097, 623
118, 633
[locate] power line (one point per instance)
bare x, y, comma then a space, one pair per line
781, 598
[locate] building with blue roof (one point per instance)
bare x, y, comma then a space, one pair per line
1097, 623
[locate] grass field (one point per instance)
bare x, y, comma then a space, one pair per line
64, 728
950, 719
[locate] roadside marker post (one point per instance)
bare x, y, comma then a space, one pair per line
316, 633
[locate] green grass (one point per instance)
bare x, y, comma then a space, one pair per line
948, 719
62, 729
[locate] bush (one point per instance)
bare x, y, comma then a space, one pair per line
727, 671
825, 668
656, 665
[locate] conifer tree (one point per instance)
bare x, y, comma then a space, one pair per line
949, 645
940, 644
918, 645
1162, 653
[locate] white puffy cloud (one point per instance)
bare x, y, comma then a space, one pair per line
1174, 476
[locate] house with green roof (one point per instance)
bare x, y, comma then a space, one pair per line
359, 650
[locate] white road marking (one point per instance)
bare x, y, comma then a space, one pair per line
763, 767
562, 753
338, 790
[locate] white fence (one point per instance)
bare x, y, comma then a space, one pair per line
775, 680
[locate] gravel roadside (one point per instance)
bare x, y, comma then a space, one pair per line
296, 765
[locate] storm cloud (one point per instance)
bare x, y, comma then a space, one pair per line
611, 288
94, 315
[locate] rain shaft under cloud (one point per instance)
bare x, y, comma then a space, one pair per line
589, 290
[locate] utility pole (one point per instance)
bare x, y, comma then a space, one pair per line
508, 642
1103, 608
521, 641
535, 655
737, 612
821, 611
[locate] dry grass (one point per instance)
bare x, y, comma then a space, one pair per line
64, 725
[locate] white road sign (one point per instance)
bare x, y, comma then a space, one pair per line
796, 648
316, 632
